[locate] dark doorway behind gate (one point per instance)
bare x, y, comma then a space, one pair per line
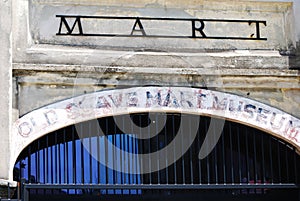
245, 164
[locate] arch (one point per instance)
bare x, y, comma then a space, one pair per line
242, 155
153, 99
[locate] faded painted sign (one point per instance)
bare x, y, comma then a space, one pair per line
155, 99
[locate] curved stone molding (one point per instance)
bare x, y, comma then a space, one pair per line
154, 99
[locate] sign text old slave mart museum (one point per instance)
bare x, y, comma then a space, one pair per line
155, 99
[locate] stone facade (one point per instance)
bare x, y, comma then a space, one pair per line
51, 64
5, 87
39, 67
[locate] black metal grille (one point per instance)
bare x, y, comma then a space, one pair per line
245, 161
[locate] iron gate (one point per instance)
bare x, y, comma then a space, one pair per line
245, 164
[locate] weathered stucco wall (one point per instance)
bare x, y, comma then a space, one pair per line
296, 8
279, 88
48, 68
5, 88
36, 26
44, 25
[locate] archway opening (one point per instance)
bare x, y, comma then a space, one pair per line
246, 163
